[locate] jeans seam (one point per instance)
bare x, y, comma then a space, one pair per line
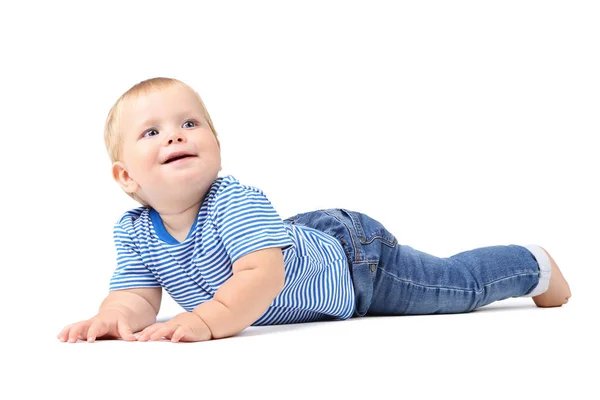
451, 288
354, 244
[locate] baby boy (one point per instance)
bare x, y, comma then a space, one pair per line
221, 251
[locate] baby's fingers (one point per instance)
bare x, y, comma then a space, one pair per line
124, 330
97, 329
179, 334
165, 331
145, 335
76, 331
64, 334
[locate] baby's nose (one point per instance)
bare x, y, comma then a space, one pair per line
179, 139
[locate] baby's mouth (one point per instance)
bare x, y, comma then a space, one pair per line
177, 158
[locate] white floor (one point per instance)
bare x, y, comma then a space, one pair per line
509, 349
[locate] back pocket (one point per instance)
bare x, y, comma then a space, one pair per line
369, 229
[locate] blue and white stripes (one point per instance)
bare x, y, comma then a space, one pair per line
234, 220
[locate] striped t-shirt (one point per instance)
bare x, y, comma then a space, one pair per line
234, 220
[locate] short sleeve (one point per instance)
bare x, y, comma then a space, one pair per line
246, 221
131, 272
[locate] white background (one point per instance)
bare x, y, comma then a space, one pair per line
457, 124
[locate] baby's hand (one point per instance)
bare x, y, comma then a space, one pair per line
185, 327
109, 324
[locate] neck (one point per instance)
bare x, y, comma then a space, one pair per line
179, 222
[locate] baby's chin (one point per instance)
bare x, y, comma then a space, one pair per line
182, 188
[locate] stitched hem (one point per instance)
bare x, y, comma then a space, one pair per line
545, 269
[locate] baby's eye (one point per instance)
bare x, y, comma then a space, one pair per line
191, 122
148, 133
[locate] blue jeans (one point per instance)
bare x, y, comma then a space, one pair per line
394, 279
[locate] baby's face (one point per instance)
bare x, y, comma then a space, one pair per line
157, 127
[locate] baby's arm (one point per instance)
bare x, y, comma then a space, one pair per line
140, 305
258, 278
121, 313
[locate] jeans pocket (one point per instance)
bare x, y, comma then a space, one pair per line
369, 229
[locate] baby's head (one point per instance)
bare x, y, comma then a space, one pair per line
146, 127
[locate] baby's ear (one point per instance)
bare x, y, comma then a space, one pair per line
122, 177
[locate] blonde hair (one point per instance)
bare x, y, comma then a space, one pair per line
113, 137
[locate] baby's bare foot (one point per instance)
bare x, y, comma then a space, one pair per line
558, 292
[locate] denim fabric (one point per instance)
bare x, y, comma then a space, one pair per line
394, 279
